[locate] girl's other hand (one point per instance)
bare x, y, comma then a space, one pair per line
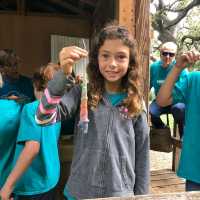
187, 59
69, 55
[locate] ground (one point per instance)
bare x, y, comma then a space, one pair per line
160, 160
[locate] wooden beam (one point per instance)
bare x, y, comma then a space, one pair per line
89, 2
104, 12
69, 6
134, 14
46, 7
21, 7
142, 34
45, 14
176, 147
125, 14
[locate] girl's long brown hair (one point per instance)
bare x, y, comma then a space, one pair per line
131, 82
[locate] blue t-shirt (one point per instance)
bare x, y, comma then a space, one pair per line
44, 172
158, 74
21, 87
188, 92
9, 124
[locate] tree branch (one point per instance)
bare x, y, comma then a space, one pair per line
192, 38
182, 13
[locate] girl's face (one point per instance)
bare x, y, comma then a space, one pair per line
113, 59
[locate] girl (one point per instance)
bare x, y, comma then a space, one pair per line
112, 158
188, 92
36, 163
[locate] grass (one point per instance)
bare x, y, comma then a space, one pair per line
171, 120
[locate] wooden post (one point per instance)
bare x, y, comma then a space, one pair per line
142, 33
125, 14
104, 12
21, 7
176, 147
134, 14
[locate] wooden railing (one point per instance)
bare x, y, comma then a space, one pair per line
166, 196
177, 145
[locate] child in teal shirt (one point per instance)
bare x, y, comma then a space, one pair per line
36, 161
9, 124
188, 92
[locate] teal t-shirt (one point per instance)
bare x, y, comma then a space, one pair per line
158, 74
44, 172
116, 98
188, 92
9, 124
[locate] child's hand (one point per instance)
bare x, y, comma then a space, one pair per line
13, 97
69, 55
5, 194
187, 59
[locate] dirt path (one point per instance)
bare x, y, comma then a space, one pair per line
160, 160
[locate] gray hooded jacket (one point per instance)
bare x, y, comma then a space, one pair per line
112, 159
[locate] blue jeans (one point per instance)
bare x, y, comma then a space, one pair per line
191, 186
177, 110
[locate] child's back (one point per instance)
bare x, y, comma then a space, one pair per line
9, 124
45, 168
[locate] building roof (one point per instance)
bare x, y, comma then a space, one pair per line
75, 8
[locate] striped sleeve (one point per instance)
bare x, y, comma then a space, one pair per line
48, 110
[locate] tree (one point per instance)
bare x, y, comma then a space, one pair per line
191, 29
167, 27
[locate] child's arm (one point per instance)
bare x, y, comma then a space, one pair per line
47, 111
164, 96
26, 157
142, 175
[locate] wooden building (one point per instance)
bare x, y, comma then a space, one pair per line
37, 29
28, 26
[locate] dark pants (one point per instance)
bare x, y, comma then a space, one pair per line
50, 195
177, 110
192, 186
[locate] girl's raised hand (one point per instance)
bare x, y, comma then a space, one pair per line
187, 59
69, 55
